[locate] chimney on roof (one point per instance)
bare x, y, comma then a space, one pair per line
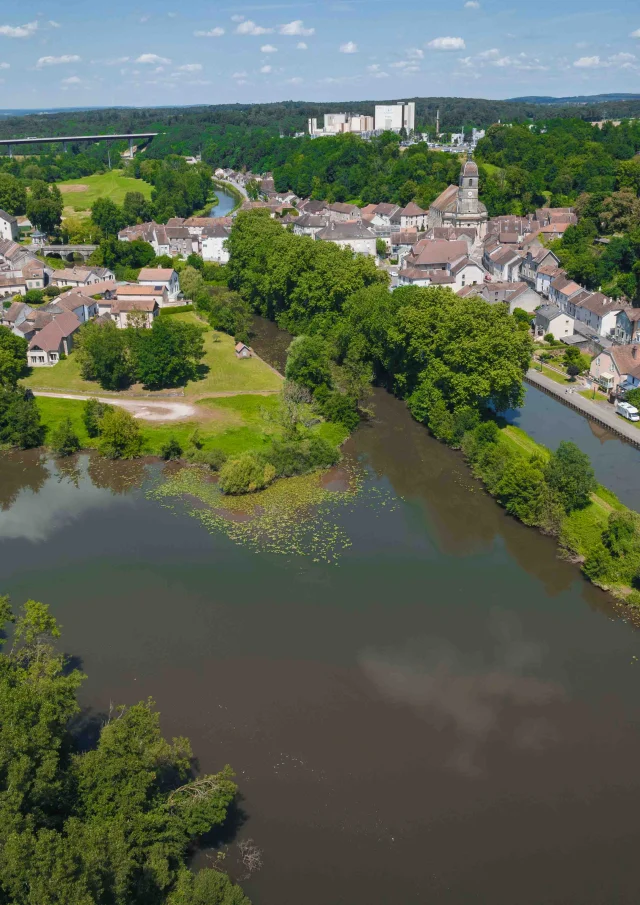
634, 350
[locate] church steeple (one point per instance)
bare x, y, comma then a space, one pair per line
468, 200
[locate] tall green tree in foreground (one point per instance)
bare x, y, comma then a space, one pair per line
113, 825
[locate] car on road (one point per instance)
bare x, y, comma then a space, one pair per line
628, 411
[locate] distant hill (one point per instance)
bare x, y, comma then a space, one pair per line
580, 99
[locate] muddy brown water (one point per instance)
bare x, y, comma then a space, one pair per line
449, 715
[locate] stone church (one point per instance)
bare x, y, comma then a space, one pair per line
459, 205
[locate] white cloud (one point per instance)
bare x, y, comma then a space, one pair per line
72, 80
374, 67
216, 32
587, 62
265, 70
472, 4
302, 46
295, 28
489, 54
635, 34
5, 66
294, 81
239, 75
190, 67
414, 53
522, 62
152, 58
57, 61
19, 31
237, 18
381, 75
447, 44
116, 61
250, 28
143, 19
620, 58
52, 24
349, 47
198, 82
268, 48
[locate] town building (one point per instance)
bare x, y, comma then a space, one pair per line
617, 369
161, 278
627, 329
394, 117
351, 234
134, 312
460, 206
53, 340
82, 276
9, 228
515, 295
549, 319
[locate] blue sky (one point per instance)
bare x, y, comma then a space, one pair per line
138, 52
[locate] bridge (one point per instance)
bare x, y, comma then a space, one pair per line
64, 140
67, 251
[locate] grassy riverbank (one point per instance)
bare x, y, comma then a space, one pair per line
235, 193
603, 536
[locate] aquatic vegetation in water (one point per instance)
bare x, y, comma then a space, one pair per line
292, 516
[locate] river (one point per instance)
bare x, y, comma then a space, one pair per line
226, 203
449, 714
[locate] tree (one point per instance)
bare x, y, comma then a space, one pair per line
308, 362
136, 208
20, 423
573, 370
292, 412
253, 189
111, 823
381, 248
13, 195
171, 449
107, 216
64, 439
168, 355
92, 413
621, 534
104, 355
13, 357
633, 396
120, 436
570, 476
44, 206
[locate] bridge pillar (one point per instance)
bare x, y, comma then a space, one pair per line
131, 148
64, 147
10, 151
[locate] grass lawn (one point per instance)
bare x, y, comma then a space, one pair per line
224, 372
588, 394
554, 375
104, 185
491, 168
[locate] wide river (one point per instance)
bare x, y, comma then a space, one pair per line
449, 714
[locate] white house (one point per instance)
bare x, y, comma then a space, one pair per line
213, 242
142, 312
350, 234
412, 215
549, 319
161, 278
82, 276
597, 311
515, 295
9, 228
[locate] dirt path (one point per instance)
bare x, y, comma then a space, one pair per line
147, 411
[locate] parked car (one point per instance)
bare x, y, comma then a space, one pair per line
628, 411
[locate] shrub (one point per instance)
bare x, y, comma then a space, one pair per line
570, 475
92, 413
308, 362
299, 456
178, 309
120, 436
633, 396
64, 440
337, 407
599, 564
245, 474
20, 423
549, 338
171, 449
214, 458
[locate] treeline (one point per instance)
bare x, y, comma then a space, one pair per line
113, 822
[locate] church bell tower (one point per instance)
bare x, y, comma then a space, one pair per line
468, 200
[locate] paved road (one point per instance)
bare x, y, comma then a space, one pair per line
601, 412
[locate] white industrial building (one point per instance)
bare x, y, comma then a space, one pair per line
338, 123
394, 117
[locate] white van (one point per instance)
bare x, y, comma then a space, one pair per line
628, 411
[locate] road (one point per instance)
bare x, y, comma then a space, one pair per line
236, 185
603, 413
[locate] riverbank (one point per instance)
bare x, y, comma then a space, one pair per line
232, 190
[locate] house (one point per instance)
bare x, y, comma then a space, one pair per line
466, 273
627, 329
140, 312
533, 260
35, 274
549, 319
413, 216
54, 340
436, 254
350, 234
213, 243
597, 311
561, 290
12, 285
15, 315
243, 351
309, 224
503, 263
414, 276
340, 212
162, 278
153, 233
617, 368
545, 275
83, 306
133, 291
9, 228
515, 295
180, 240
82, 276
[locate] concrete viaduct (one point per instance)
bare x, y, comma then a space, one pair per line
64, 140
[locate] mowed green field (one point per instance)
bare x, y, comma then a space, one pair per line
222, 371
79, 194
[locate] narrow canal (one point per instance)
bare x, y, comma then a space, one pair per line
226, 203
449, 714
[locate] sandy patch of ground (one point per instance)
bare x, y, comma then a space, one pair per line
146, 411
72, 189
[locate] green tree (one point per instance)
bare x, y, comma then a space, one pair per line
381, 248
20, 423
120, 436
570, 476
13, 357
245, 474
92, 413
308, 362
64, 439
136, 208
171, 449
168, 355
44, 206
107, 216
104, 355
13, 195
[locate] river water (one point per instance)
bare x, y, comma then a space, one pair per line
449, 714
225, 205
